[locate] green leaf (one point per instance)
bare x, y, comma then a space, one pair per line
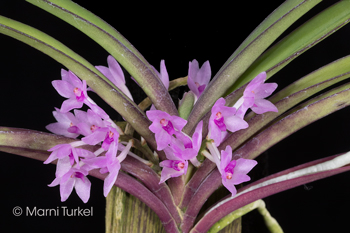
282, 10
233, 69
300, 40
186, 105
29, 143
84, 70
114, 43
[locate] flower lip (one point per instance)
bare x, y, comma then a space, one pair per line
177, 165
167, 126
93, 128
79, 94
229, 169
219, 121
164, 122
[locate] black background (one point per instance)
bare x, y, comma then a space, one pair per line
177, 33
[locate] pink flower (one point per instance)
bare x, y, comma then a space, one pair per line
106, 135
115, 74
89, 121
223, 118
234, 172
164, 126
75, 90
175, 166
66, 124
74, 178
187, 146
198, 79
109, 163
254, 94
67, 156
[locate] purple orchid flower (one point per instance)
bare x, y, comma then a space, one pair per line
254, 94
223, 118
188, 146
74, 178
89, 121
106, 135
67, 156
234, 172
182, 149
75, 90
164, 126
66, 124
198, 79
175, 165
109, 163
115, 74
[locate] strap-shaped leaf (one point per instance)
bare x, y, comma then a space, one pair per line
268, 186
84, 70
227, 76
300, 40
114, 43
282, 10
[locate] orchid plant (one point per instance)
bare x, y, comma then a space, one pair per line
175, 156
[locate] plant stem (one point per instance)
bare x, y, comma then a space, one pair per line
151, 181
136, 189
271, 223
199, 198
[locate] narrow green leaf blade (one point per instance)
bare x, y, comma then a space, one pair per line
282, 10
232, 71
300, 40
114, 43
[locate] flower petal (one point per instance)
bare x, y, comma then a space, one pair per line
83, 188
110, 179
230, 186
64, 88
66, 189
261, 106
